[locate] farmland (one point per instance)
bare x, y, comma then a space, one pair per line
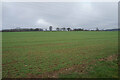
87, 54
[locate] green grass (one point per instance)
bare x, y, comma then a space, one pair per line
38, 53
102, 69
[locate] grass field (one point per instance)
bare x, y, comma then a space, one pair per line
60, 54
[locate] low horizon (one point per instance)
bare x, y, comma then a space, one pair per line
58, 27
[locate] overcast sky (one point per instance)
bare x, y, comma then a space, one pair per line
89, 15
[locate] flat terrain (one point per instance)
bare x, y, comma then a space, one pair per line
60, 54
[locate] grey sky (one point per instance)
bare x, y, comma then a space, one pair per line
87, 15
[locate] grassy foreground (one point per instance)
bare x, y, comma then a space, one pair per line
60, 54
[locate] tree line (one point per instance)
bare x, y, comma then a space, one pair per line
50, 29
22, 30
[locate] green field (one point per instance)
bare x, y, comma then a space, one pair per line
60, 54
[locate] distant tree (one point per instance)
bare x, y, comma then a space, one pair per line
45, 29
78, 29
68, 29
57, 29
22, 29
63, 29
31, 29
37, 29
86, 30
97, 29
41, 30
50, 28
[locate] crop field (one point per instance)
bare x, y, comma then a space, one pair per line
87, 54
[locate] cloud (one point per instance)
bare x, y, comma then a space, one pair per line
43, 22
87, 15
